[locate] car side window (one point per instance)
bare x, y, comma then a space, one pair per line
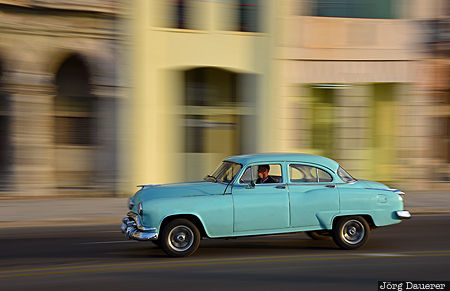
324, 176
262, 174
299, 173
246, 178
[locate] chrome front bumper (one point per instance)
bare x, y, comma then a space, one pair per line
133, 229
403, 214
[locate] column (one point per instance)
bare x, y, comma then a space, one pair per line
106, 153
32, 131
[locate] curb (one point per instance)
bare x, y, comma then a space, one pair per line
63, 222
118, 219
429, 211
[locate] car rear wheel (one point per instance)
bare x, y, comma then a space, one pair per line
318, 235
180, 238
351, 232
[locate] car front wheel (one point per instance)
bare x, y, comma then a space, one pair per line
351, 232
180, 238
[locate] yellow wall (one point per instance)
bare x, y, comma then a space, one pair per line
160, 55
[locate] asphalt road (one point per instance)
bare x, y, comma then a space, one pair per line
98, 257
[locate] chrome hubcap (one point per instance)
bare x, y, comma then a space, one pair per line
353, 232
181, 238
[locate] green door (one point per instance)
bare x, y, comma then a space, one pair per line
323, 120
383, 131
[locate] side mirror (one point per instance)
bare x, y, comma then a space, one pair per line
251, 185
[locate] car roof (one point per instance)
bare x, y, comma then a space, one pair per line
284, 157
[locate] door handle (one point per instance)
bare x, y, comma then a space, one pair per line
281, 187
331, 186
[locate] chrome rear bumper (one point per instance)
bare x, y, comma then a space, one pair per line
133, 228
403, 214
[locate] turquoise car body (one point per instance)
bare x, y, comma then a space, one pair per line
233, 209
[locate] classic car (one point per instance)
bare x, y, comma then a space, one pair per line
262, 194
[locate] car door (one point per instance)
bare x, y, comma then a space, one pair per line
314, 199
260, 207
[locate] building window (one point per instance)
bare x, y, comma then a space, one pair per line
382, 9
248, 13
180, 13
181, 9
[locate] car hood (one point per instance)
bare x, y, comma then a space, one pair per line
372, 184
179, 190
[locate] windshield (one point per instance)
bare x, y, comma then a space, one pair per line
225, 172
345, 176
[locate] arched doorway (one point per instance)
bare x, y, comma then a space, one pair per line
75, 124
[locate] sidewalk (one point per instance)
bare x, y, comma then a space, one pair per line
91, 211
62, 211
427, 202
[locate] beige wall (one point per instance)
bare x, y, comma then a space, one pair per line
356, 53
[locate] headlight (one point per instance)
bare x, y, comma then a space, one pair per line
140, 212
130, 203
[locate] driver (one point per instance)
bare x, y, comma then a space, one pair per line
263, 174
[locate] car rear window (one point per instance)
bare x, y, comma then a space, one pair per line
345, 176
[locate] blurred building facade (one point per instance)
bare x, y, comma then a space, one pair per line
58, 96
354, 87
434, 84
342, 79
348, 86
202, 87
363, 82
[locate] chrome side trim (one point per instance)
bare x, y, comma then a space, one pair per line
315, 184
403, 214
399, 192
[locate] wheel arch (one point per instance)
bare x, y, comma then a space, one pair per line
368, 218
191, 217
